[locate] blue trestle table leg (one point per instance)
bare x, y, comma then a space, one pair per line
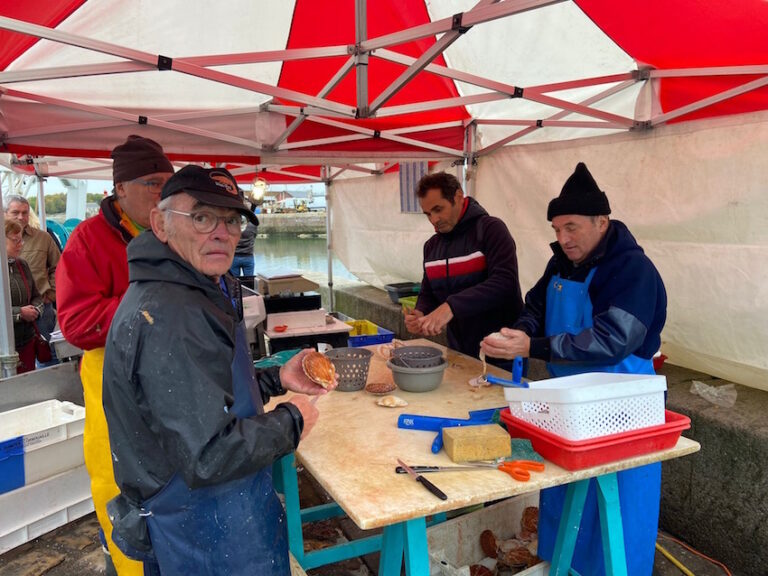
567, 532
392, 546
611, 526
290, 485
287, 479
407, 538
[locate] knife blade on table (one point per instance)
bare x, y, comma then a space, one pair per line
426, 483
427, 469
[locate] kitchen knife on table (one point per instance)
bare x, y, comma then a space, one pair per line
426, 483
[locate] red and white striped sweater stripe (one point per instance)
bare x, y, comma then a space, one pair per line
458, 266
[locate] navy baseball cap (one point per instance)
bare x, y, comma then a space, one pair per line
213, 186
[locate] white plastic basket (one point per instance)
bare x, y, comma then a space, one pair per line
590, 405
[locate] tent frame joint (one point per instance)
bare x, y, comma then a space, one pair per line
143, 120
518, 92
164, 62
456, 23
642, 74
642, 125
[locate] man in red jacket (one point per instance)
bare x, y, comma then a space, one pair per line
91, 279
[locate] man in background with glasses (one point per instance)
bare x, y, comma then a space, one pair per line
92, 278
192, 445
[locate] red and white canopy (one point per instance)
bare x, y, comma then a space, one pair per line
281, 87
665, 101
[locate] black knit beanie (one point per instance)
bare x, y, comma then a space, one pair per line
580, 195
137, 157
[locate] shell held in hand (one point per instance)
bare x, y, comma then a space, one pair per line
319, 369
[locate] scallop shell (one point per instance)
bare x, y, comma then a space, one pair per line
319, 368
380, 387
391, 402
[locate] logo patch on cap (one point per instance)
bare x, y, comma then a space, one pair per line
223, 181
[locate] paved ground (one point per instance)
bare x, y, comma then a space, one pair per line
74, 550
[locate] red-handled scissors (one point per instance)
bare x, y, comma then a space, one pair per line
519, 469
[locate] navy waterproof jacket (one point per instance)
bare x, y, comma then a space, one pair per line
473, 268
629, 304
168, 382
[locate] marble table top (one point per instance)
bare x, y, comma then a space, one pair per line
353, 448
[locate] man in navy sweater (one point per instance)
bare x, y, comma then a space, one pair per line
470, 286
599, 307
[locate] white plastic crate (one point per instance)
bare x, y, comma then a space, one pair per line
52, 438
590, 405
38, 508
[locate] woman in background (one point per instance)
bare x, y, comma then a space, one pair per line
26, 302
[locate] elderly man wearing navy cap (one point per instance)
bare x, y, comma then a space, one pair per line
599, 307
192, 446
91, 278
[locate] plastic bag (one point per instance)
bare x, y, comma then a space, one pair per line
723, 396
276, 359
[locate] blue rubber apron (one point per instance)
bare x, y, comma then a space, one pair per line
569, 309
236, 528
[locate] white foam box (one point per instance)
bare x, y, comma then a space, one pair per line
52, 435
298, 319
254, 311
590, 405
454, 545
38, 508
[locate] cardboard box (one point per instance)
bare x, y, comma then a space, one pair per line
285, 284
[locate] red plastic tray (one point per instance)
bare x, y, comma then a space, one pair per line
580, 454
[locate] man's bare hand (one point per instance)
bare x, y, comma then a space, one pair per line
515, 343
28, 313
413, 320
435, 322
292, 377
308, 412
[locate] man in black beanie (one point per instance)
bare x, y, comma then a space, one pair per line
91, 279
599, 307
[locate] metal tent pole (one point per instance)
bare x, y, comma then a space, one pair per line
8, 356
329, 244
361, 57
41, 203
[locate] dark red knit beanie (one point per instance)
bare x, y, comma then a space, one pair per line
137, 157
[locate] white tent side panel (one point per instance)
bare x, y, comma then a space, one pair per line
692, 194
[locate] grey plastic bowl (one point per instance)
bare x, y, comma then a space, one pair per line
417, 356
417, 379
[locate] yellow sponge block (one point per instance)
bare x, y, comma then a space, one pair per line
485, 442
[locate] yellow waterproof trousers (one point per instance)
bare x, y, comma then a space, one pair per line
98, 457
